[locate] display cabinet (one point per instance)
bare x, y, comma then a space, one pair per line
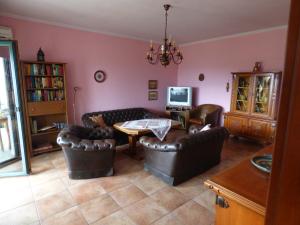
254, 105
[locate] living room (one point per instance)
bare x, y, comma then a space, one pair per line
102, 49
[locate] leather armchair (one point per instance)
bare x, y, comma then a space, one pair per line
178, 160
206, 114
89, 152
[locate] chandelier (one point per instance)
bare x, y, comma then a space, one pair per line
167, 51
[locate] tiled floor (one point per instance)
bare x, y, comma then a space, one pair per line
131, 197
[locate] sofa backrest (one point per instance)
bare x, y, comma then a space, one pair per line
111, 117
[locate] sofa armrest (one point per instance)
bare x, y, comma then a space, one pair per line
152, 143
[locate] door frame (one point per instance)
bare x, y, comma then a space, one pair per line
17, 86
283, 204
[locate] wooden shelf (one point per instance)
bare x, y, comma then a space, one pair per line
33, 89
45, 133
55, 148
44, 75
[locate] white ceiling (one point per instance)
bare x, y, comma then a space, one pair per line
189, 20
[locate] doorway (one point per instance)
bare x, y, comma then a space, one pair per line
13, 157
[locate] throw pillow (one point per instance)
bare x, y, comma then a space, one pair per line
98, 119
206, 127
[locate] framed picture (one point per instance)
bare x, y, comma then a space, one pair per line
152, 84
152, 95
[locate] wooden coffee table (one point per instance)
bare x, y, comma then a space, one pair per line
134, 134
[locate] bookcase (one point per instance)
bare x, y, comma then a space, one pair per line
44, 88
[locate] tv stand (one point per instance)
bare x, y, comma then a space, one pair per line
177, 108
179, 113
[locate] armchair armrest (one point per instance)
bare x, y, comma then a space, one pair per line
154, 144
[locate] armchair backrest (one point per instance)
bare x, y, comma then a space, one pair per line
209, 113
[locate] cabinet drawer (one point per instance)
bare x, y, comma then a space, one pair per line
46, 108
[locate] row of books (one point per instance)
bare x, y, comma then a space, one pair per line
45, 95
44, 82
44, 69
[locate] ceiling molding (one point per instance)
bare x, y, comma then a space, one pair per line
235, 35
14, 16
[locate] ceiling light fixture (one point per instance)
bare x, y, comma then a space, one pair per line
167, 51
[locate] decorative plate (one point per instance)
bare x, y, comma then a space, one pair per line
99, 76
263, 163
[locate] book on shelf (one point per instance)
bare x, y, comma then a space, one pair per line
46, 128
43, 69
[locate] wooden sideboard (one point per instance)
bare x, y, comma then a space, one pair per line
254, 103
241, 192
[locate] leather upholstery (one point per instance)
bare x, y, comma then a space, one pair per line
181, 158
89, 152
111, 117
206, 114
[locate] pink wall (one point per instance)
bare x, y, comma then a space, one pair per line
217, 59
122, 59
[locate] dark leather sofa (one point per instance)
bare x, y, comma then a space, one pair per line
206, 114
178, 160
111, 117
89, 152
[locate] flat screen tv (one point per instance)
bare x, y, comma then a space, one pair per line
179, 96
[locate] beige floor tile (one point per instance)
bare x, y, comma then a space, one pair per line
110, 184
98, 208
192, 213
145, 211
53, 204
70, 182
192, 187
207, 199
48, 188
22, 215
70, 216
86, 191
169, 198
43, 176
169, 219
127, 195
15, 197
8, 183
150, 184
117, 218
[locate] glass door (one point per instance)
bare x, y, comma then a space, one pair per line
13, 157
262, 94
242, 93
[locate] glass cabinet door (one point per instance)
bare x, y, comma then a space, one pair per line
262, 94
242, 97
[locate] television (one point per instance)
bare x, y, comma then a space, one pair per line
179, 96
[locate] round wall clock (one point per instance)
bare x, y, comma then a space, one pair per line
99, 76
201, 77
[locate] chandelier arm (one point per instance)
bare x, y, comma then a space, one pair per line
177, 61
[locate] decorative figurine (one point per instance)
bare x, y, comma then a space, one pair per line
40, 55
257, 67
